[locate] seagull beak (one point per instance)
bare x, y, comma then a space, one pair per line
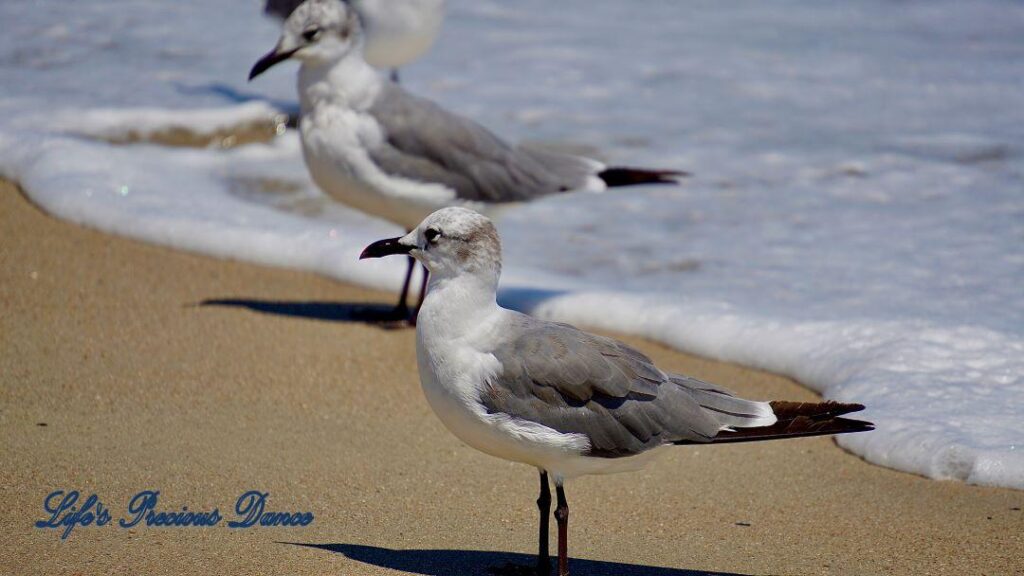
388, 247
269, 60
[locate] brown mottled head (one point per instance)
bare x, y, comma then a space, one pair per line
449, 242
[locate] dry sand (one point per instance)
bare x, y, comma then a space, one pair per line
101, 339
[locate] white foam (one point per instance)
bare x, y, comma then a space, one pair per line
855, 222
215, 125
947, 400
183, 198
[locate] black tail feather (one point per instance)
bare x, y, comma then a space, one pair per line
787, 410
799, 419
621, 176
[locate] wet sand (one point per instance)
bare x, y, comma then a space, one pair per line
117, 379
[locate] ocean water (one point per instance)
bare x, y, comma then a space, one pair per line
855, 219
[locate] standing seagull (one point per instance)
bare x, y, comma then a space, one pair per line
551, 396
370, 144
397, 31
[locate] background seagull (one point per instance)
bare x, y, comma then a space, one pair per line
370, 144
397, 31
554, 397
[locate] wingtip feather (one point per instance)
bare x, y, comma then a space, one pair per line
623, 176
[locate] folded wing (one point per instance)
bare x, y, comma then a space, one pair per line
424, 142
575, 382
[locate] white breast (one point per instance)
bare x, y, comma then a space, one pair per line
453, 372
335, 144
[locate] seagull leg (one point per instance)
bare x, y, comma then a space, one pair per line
544, 504
402, 309
394, 75
562, 516
423, 294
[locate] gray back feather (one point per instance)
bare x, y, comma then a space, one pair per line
575, 382
426, 143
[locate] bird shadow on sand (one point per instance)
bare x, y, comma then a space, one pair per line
379, 315
232, 94
488, 563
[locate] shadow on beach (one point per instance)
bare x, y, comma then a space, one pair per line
455, 562
232, 94
381, 315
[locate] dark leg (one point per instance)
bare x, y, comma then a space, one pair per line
402, 309
394, 75
562, 516
544, 504
397, 316
423, 294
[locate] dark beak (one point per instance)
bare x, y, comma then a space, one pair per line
388, 247
269, 60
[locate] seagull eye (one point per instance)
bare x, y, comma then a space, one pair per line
311, 34
432, 235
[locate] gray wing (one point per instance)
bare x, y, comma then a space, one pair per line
426, 143
575, 382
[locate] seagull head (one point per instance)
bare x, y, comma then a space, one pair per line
450, 242
316, 32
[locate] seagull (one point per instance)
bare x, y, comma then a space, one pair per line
397, 31
554, 397
370, 144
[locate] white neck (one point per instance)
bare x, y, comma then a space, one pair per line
348, 82
456, 305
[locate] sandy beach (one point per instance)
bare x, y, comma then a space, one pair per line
117, 378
